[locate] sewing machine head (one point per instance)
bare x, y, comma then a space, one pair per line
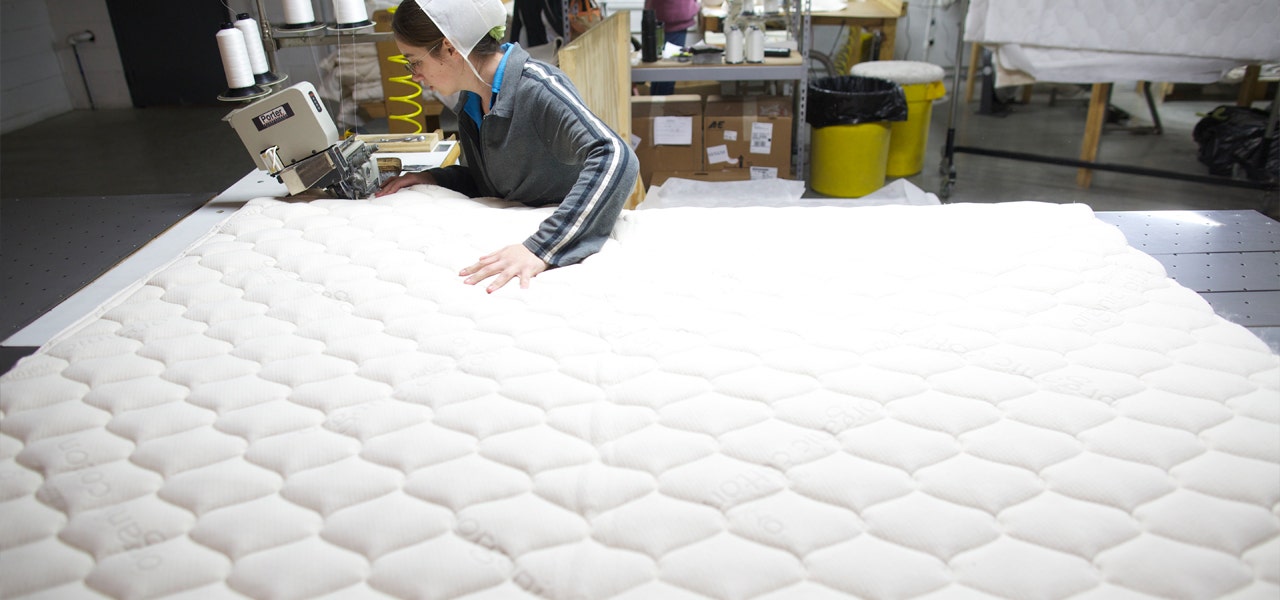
290, 135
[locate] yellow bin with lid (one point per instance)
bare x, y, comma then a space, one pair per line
921, 84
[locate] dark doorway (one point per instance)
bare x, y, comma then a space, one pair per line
169, 51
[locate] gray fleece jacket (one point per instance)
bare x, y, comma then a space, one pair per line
540, 145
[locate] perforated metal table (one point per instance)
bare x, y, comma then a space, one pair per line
1230, 257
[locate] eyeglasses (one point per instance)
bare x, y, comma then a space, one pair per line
412, 67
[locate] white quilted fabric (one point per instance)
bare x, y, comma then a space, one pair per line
1093, 41
1244, 30
967, 401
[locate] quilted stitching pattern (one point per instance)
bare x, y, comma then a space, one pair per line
1000, 400
1243, 30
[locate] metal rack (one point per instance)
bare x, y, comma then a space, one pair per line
274, 39
772, 69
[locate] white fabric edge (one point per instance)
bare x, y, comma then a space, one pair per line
108, 290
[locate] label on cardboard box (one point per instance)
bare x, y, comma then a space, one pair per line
730, 135
761, 138
764, 173
635, 142
718, 154
672, 131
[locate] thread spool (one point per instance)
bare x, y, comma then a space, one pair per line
755, 45
350, 14
257, 56
733, 53
299, 14
241, 84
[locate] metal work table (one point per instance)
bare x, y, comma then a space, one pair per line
75, 254
1230, 257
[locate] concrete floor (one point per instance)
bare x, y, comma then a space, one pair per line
122, 152
1057, 130
118, 154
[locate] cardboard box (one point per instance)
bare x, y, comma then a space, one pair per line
747, 132
668, 132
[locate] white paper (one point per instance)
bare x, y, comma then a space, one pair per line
672, 131
761, 138
764, 173
730, 135
635, 142
718, 154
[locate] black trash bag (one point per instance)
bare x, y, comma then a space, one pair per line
851, 100
1234, 135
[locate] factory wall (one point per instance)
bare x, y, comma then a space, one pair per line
31, 82
913, 31
100, 58
39, 78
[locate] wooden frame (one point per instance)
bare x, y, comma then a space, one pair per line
599, 65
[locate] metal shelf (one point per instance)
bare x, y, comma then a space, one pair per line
670, 70
329, 38
792, 68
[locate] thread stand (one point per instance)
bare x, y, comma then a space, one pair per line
315, 34
298, 28
269, 78
262, 73
252, 92
351, 27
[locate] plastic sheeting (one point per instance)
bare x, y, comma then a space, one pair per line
851, 100
680, 193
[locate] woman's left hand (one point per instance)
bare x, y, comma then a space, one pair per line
504, 265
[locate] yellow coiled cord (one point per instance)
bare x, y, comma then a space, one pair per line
406, 79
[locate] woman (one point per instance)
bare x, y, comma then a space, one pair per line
526, 136
676, 16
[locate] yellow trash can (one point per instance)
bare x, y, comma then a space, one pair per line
921, 84
849, 147
849, 160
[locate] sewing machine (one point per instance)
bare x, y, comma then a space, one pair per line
290, 135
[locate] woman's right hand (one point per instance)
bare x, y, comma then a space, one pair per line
396, 184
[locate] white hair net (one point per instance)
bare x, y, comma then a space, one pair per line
465, 22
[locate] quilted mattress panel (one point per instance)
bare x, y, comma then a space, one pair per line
1238, 30
968, 401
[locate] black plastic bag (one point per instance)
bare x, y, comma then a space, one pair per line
851, 100
1234, 135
